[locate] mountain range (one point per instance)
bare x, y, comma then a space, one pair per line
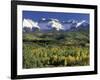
44, 24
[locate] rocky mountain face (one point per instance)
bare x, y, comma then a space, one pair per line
54, 24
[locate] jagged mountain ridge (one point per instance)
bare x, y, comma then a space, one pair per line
54, 24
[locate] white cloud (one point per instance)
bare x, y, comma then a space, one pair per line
30, 23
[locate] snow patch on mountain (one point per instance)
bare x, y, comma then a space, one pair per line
80, 23
48, 24
30, 24
43, 19
56, 24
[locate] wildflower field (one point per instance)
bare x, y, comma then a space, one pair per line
55, 49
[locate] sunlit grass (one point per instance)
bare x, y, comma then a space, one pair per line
55, 56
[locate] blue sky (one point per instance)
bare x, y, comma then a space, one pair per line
37, 15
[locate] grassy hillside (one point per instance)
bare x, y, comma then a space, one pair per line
55, 49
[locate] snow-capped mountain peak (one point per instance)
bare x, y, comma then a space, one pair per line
56, 24
80, 23
45, 24
56, 20
43, 19
30, 23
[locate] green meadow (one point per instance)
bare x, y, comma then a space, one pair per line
55, 49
